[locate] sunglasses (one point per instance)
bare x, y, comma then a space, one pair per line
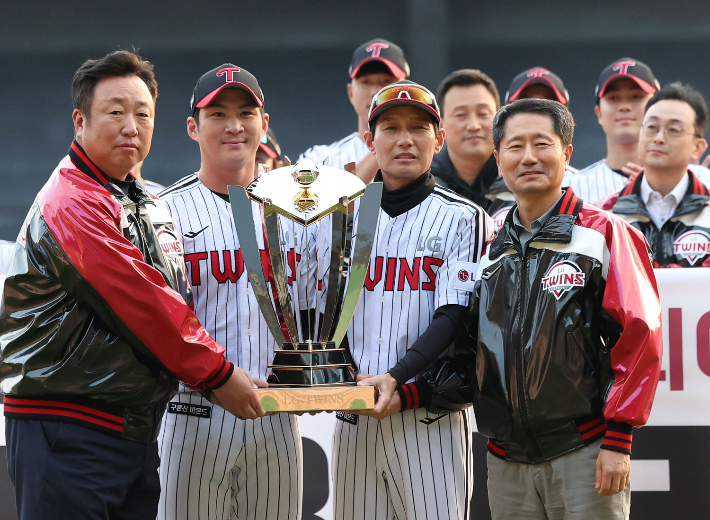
405, 92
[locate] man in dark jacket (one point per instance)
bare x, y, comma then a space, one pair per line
95, 325
565, 339
667, 202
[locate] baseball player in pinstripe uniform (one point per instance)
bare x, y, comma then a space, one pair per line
375, 64
411, 464
213, 465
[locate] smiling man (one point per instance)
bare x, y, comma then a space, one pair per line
96, 326
563, 350
248, 469
425, 251
667, 202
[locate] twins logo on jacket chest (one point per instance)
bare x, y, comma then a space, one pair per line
562, 277
692, 245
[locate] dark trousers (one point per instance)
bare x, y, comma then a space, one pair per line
64, 471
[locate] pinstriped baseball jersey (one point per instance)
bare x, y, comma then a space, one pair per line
349, 149
212, 461
598, 181
412, 464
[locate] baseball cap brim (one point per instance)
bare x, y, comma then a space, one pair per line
205, 101
268, 151
401, 101
396, 71
539, 81
644, 85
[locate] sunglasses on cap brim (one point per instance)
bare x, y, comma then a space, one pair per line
404, 92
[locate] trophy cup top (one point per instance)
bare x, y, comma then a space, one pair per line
305, 192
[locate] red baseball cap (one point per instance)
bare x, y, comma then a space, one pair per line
226, 75
630, 68
386, 52
537, 76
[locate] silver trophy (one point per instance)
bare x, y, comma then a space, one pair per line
311, 371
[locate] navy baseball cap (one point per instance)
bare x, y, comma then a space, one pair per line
269, 145
537, 76
386, 52
404, 92
226, 75
630, 68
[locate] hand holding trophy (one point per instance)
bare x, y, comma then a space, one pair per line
311, 371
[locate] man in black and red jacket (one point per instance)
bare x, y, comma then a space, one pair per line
96, 326
666, 201
563, 350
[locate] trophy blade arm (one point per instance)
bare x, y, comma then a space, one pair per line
335, 276
244, 224
368, 214
273, 240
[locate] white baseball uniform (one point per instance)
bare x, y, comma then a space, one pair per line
349, 149
213, 465
413, 464
597, 181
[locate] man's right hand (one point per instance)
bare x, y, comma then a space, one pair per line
237, 396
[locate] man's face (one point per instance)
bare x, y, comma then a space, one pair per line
404, 143
118, 131
229, 129
538, 91
672, 144
620, 110
531, 158
363, 88
468, 117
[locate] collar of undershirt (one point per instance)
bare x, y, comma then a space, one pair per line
396, 202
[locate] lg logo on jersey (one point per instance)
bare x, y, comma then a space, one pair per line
433, 244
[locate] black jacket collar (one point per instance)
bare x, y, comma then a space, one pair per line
396, 202
631, 203
557, 230
442, 168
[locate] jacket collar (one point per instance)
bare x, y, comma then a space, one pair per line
557, 230
443, 168
630, 201
396, 202
87, 167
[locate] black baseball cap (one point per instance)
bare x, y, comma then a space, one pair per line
537, 76
269, 145
404, 92
383, 51
630, 68
226, 75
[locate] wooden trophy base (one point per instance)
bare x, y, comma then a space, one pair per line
317, 398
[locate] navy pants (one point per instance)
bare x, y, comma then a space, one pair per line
65, 471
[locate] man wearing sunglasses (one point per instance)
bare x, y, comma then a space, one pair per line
666, 201
374, 65
390, 463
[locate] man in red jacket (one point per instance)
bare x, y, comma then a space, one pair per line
96, 326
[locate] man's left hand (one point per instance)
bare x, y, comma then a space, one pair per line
613, 472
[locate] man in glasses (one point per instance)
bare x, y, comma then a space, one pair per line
390, 463
666, 201
375, 64
216, 465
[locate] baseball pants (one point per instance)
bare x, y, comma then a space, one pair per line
559, 489
68, 472
224, 468
411, 465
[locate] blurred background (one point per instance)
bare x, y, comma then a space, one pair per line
300, 52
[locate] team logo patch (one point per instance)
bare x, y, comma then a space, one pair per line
463, 275
170, 245
563, 277
692, 245
499, 218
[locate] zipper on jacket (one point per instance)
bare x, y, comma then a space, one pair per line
522, 403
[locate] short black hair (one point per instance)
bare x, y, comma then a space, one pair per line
115, 64
562, 120
684, 92
373, 67
466, 78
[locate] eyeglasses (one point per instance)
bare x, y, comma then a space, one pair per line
671, 132
404, 92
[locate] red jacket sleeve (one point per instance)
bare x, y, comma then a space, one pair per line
86, 226
631, 299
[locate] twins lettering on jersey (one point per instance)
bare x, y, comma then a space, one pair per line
398, 271
562, 277
692, 245
228, 265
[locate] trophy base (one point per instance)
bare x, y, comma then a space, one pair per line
319, 398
